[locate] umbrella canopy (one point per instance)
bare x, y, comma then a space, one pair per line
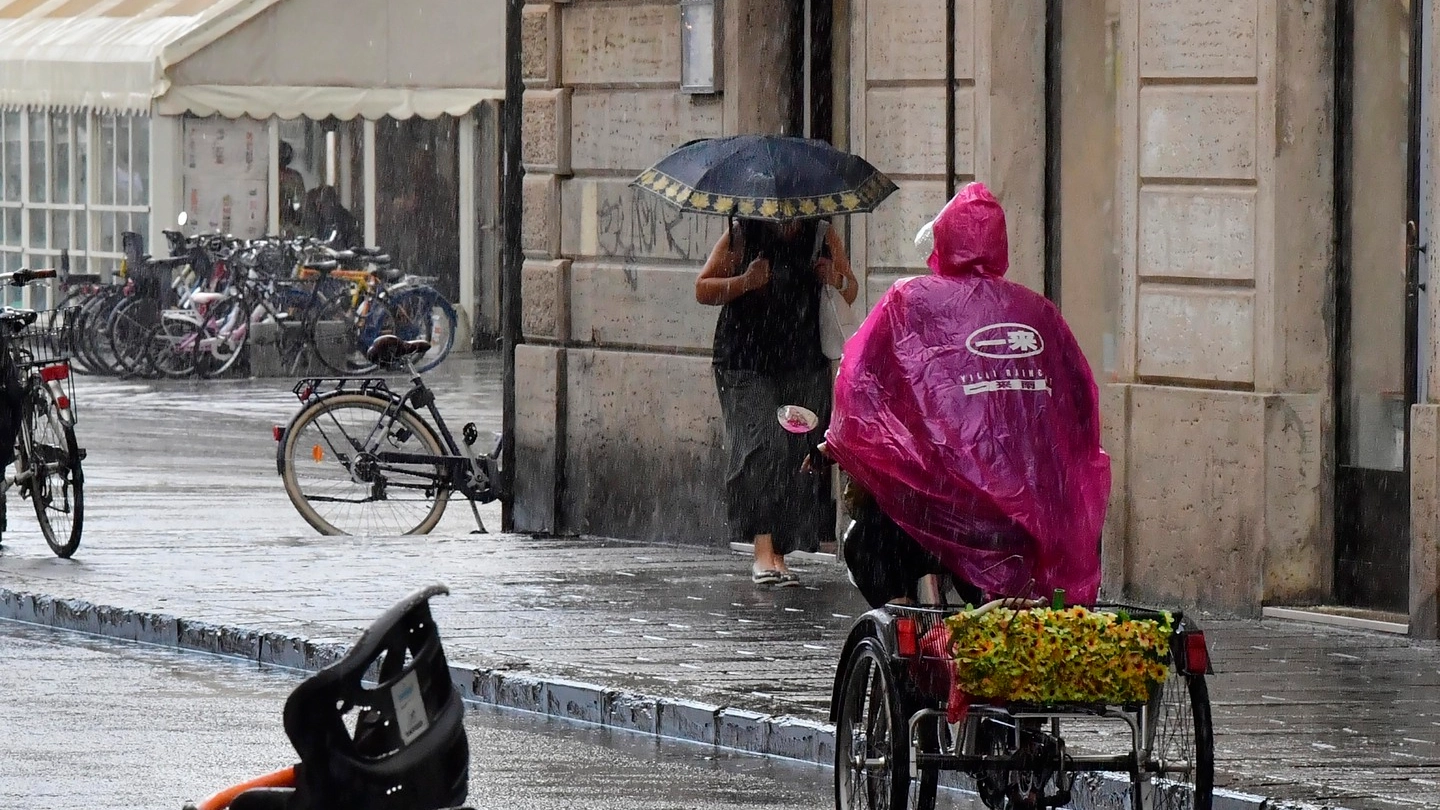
770, 177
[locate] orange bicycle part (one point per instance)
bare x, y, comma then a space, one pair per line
282, 778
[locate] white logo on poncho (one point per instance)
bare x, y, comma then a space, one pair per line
1005, 341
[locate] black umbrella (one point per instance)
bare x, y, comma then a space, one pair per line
769, 177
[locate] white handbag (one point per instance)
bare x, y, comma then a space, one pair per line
837, 320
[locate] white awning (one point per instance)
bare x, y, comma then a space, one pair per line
316, 58
320, 102
370, 58
108, 55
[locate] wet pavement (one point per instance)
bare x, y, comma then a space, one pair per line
152, 728
187, 517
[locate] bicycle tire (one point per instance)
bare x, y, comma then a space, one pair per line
340, 353
870, 690
216, 354
171, 346
52, 454
308, 449
130, 325
95, 339
1182, 732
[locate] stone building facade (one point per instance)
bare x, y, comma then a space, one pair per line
1178, 176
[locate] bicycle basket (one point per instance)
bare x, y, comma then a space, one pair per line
1071, 655
50, 339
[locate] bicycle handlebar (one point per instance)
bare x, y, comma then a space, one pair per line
21, 277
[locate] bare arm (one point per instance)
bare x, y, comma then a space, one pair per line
836, 271
721, 280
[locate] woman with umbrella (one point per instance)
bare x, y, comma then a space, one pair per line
767, 273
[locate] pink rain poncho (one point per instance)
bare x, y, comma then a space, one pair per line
965, 407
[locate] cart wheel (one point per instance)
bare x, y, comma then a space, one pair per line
872, 768
1180, 770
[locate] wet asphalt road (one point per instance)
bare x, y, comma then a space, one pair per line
90, 724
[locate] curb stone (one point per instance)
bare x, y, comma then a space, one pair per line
690, 721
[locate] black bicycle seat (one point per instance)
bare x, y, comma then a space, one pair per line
388, 349
323, 266
387, 274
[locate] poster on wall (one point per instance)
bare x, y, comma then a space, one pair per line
226, 170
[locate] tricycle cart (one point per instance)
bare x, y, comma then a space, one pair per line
902, 718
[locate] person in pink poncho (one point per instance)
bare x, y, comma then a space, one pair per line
965, 409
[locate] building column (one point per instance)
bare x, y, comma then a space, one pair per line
1223, 398
1425, 416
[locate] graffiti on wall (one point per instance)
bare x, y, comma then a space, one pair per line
633, 225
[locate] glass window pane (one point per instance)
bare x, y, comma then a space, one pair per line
59, 229
81, 230
109, 241
12, 262
1379, 124
39, 177
140, 160
12, 226
140, 223
60, 158
37, 229
122, 160
12, 135
417, 198
106, 166
82, 156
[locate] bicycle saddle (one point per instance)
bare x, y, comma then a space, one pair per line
387, 274
323, 266
388, 349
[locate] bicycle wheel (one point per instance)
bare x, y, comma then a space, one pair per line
130, 326
422, 313
222, 334
1180, 773
339, 485
333, 331
171, 346
56, 483
871, 751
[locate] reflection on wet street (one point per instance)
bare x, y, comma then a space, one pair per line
93, 724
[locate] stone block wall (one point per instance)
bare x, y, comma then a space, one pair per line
619, 422
1225, 188
897, 121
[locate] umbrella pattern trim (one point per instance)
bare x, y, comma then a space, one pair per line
862, 200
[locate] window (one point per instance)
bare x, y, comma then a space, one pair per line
48, 203
414, 174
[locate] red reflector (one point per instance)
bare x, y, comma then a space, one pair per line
63, 402
306, 392
278, 431
907, 637
55, 373
1197, 657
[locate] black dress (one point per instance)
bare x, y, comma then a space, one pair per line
767, 354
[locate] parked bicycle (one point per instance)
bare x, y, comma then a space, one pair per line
37, 346
359, 458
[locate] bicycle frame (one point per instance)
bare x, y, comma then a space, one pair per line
461, 469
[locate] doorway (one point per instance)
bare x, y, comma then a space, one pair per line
1378, 245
